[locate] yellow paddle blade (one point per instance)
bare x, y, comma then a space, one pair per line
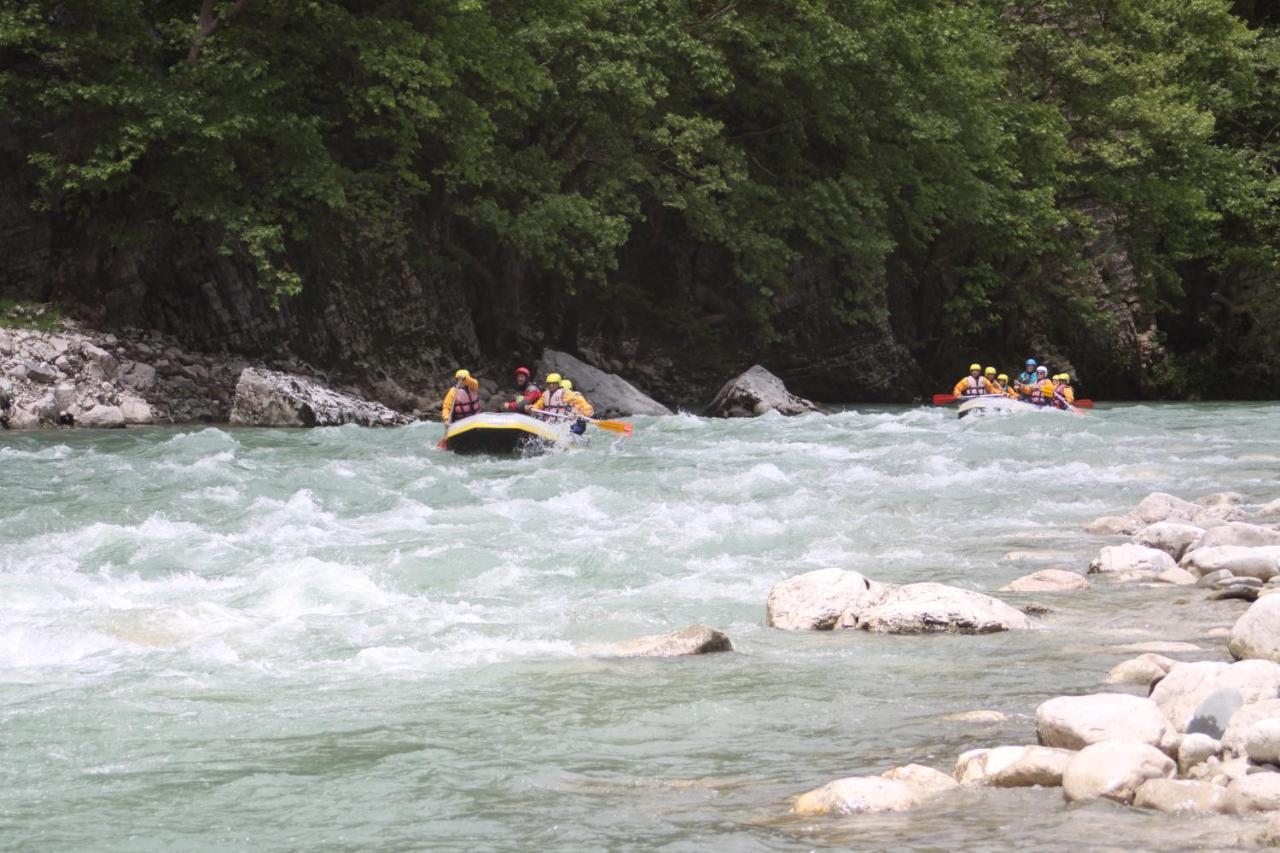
615, 426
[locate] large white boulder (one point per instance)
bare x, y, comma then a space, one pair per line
1013, 766
1262, 741
1239, 533
610, 394
1180, 796
1175, 538
919, 608
1160, 506
815, 600
1203, 561
1048, 580
754, 393
693, 640
857, 795
1074, 722
1256, 633
1187, 685
1113, 525
1114, 769
273, 399
1130, 558
135, 410
102, 417
1196, 749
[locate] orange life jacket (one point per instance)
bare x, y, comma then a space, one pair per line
465, 403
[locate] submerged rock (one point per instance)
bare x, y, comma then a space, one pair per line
1048, 580
1074, 722
693, 640
1143, 669
980, 717
924, 781
815, 600
1113, 525
920, 608
610, 394
273, 399
857, 795
754, 393
1114, 769
1256, 633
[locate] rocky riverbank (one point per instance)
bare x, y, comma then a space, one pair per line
1177, 737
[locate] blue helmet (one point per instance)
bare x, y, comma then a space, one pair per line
1031, 362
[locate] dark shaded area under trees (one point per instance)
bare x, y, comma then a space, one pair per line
863, 195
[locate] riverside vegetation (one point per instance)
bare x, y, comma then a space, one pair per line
848, 192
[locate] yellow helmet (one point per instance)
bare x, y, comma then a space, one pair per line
990, 371
973, 367
462, 374
1003, 377
553, 379
566, 384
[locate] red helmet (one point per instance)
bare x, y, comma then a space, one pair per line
523, 370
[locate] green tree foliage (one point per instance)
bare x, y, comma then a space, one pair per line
952, 150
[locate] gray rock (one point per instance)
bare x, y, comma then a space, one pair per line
1213, 578
41, 372
46, 409
135, 410
754, 393
64, 393
141, 377
6, 344
102, 417
270, 398
610, 394
693, 640
1235, 593
102, 365
1213, 714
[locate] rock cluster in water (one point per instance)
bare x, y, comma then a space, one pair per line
1204, 739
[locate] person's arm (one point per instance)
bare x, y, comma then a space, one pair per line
446, 410
958, 391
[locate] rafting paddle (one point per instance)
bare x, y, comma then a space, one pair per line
611, 426
1084, 404
943, 399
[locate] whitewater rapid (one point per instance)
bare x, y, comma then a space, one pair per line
229, 639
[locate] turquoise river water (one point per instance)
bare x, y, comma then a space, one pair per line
231, 639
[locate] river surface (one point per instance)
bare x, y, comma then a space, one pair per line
219, 638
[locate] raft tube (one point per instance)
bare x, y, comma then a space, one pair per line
1000, 405
500, 433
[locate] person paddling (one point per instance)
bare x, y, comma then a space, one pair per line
975, 384
579, 405
552, 401
527, 393
463, 399
1063, 395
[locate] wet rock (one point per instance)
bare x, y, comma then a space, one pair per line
1240, 534
1114, 769
1181, 693
1047, 580
102, 417
1196, 748
1235, 739
1074, 722
1213, 578
1143, 670
610, 394
857, 795
921, 608
1180, 796
1013, 766
693, 640
1256, 633
1128, 558
1175, 538
815, 600
270, 398
101, 365
1112, 525
1258, 792
754, 393
923, 781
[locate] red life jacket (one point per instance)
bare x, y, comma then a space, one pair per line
1037, 393
465, 403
